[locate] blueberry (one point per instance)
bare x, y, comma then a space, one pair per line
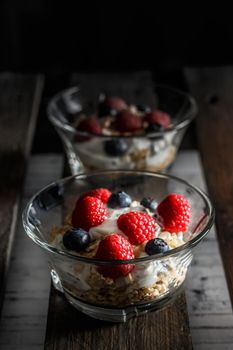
104, 110
149, 203
119, 200
76, 239
156, 246
116, 147
144, 108
154, 127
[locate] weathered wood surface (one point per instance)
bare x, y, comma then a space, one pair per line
158, 330
134, 87
19, 103
25, 305
24, 313
209, 307
213, 89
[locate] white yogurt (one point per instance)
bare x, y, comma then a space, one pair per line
92, 153
109, 226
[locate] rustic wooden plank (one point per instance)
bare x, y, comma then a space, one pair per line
66, 327
208, 300
24, 312
227, 335
212, 321
219, 346
165, 329
19, 102
213, 89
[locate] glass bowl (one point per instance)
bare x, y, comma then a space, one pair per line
153, 281
153, 151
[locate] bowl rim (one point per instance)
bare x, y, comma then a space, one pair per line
172, 252
193, 109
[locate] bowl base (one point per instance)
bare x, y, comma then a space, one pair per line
112, 314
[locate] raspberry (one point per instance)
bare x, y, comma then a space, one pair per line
89, 212
175, 213
138, 226
90, 125
111, 105
101, 193
158, 117
115, 247
116, 103
127, 121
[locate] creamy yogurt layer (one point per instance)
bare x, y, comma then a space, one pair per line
141, 154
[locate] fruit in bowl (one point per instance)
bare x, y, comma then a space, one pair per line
130, 130
112, 133
113, 226
124, 242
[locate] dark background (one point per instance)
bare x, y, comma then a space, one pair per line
40, 35
57, 38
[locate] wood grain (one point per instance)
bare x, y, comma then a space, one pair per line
208, 300
24, 312
213, 89
68, 328
19, 102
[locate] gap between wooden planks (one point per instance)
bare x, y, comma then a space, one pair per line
19, 102
68, 328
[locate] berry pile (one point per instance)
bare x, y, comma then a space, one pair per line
138, 227
122, 119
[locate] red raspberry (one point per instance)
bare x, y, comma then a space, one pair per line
115, 247
102, 193
138, 226
126, 121
89, 212
90, 125
158, 117
175, 213
116, 103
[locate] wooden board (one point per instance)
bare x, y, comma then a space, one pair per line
208, 300
213, 89
166, 329
19, 102
69, 329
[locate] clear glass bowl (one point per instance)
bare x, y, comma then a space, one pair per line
153, 281
152, 152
